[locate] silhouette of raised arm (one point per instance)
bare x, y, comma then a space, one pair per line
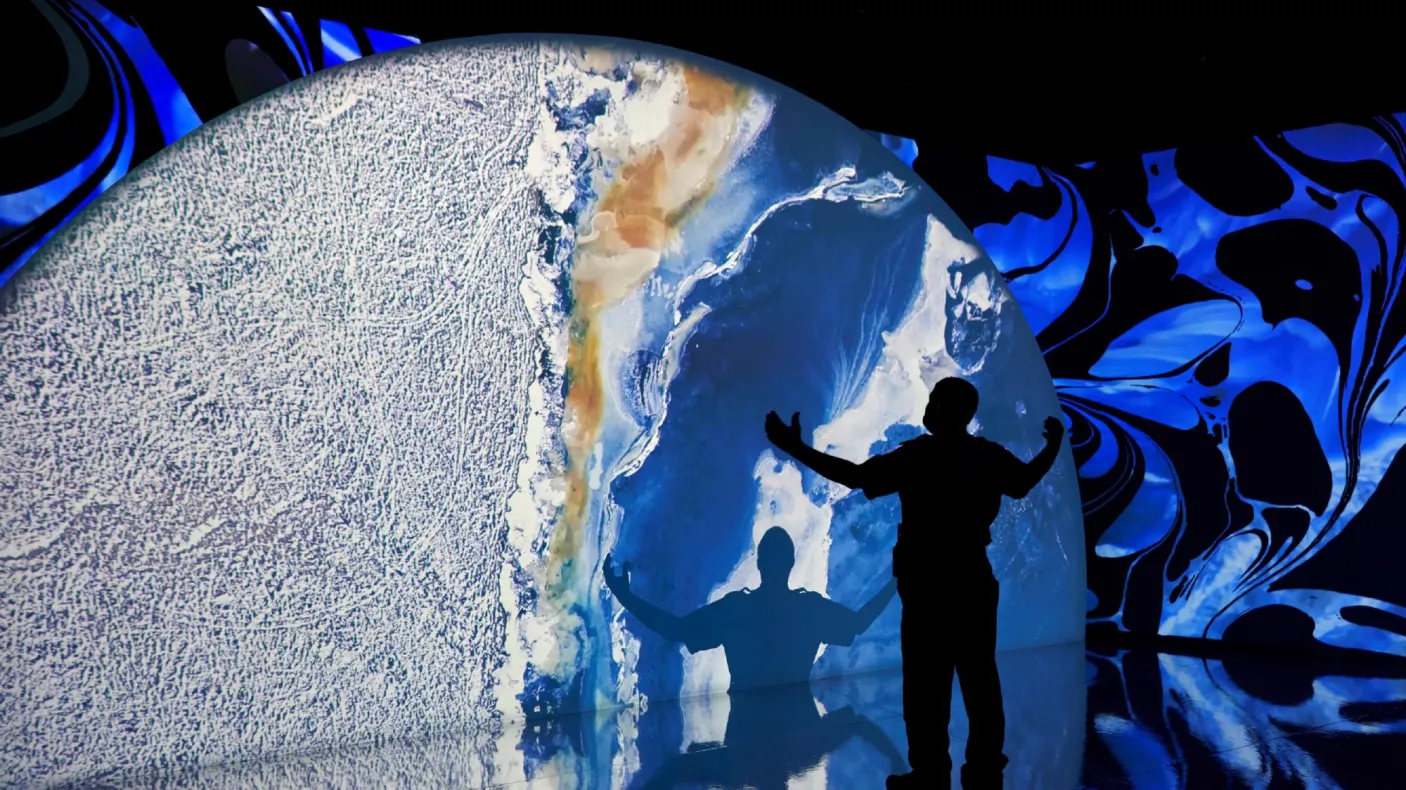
1022, 477
840, 625
666, 624
870, 611
787, 439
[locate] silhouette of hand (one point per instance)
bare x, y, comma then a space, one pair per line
1054, 429
782, 435
617, 579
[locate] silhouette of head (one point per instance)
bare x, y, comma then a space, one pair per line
951, 406
776, 556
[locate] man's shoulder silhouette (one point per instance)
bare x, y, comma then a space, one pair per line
713, 623
747, 593
795, 599
989, 446
733, 599
810, 597
927, 447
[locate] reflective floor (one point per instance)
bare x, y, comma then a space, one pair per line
1075, 719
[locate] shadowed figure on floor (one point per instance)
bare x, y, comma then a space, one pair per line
773, 735
770, 635
950, 486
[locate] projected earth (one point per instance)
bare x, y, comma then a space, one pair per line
318, 425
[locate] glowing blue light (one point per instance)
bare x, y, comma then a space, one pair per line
23, 207
381, 41
61, 188
1145, 350
338, 44
173, 110
1006, 173
906, 149
303, 52
287, 41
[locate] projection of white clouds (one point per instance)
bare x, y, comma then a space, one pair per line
318, 426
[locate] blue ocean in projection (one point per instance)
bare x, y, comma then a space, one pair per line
834, 284
551, 340
1223, 325
821, 278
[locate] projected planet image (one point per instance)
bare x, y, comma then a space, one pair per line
319, 425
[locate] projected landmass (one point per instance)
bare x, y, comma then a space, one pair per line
321, 422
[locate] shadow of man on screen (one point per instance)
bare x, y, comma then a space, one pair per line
770, 637
950, 486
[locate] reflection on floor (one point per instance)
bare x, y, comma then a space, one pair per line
1160, 721
1075, 720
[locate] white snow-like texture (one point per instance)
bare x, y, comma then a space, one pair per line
262, 409
319, 426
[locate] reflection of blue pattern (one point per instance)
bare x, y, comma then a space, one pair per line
147, 109
1160, 721
1224, 327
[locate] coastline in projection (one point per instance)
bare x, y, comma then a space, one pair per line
354, 388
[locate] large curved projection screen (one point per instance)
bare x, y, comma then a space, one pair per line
319, 425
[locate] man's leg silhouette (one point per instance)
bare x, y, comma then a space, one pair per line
981, 685
927, 684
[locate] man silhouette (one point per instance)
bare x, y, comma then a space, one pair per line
770, 635
949, 485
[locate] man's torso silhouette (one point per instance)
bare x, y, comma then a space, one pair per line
769, 638
949, 490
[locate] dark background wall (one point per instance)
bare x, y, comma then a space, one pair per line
1222, 318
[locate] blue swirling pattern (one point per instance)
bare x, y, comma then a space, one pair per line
126, 73
1162, 721
117, 76
1225, 326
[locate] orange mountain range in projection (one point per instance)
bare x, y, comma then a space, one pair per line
653, 193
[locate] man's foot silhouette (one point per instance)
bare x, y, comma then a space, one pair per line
975, 779
914, 780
